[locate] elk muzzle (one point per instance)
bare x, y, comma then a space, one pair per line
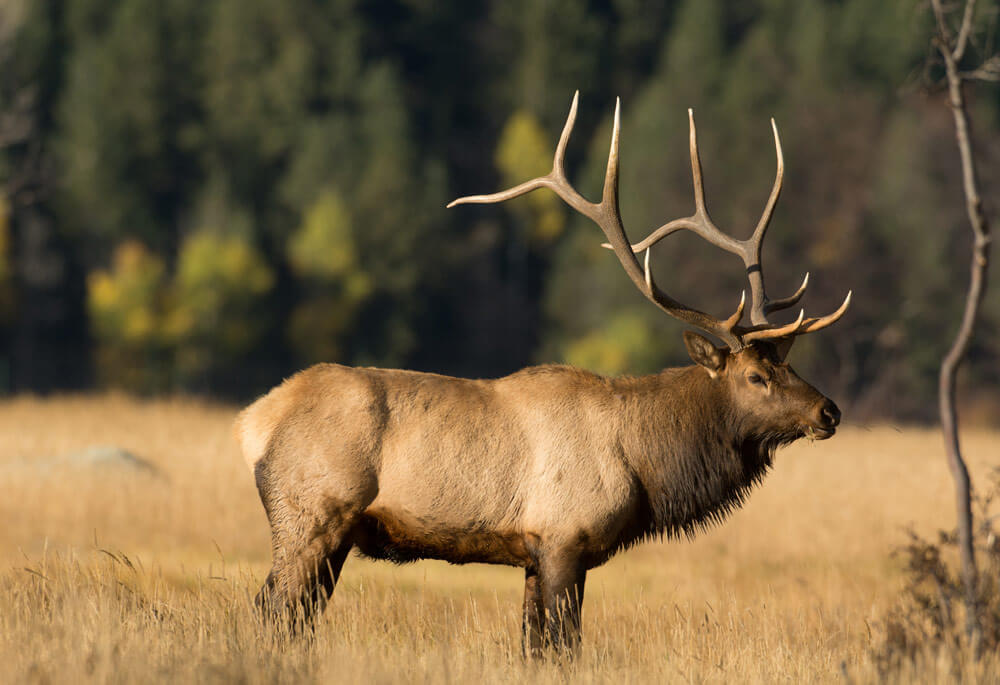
824, 422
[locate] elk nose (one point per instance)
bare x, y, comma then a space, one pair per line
829, 414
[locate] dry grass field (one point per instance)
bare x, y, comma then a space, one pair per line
111, 574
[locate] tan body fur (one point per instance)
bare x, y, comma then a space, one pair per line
441, 460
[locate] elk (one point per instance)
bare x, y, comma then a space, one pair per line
552, 469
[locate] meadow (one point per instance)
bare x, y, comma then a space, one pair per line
115, 574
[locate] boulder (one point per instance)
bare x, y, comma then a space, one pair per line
96, 457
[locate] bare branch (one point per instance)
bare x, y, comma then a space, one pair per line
963, 33
943, 33
987, 71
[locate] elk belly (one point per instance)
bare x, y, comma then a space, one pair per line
401, 537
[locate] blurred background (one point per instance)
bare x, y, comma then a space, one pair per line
203, 196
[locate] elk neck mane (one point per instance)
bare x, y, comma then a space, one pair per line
696, 459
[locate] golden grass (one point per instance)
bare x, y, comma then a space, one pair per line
788, 589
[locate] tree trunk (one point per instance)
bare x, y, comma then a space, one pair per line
952, 54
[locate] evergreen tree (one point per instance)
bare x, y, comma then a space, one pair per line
129, 123
260, 185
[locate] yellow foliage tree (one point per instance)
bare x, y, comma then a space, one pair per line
126, 304
148, 325
323, 254
214, 314
524, 152
626, 343
323, 247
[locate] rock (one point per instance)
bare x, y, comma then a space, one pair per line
95, 457
108, 456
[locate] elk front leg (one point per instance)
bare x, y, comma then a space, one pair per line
562, 580
532, 628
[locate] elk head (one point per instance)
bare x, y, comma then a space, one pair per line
771, 402
751, 369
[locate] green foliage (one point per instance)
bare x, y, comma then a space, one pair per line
551, 49
285, 166
6, 265
217, 292
318, 327
323, 248
128, 312
323, 254
128, 134
625, 345
856, 195
126, 302
266, 66
146, 323
524, 152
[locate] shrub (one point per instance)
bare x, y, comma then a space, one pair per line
929, 621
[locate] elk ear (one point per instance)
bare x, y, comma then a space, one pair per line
704, 353
783, 346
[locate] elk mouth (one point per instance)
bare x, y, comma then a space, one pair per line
818, 433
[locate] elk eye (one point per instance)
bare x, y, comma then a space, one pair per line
756, 379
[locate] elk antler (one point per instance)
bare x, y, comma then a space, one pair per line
606, 215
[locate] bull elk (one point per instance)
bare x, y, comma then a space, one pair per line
552, 469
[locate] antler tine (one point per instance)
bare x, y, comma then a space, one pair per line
815, 324
734, 320
659, 234
648, 273
558, 162
699, 222
609, 195
609, 218
605, 214
511, 193
752, 246
699, 185
790, 301
771, 333
801, 326
555, 180
772, 200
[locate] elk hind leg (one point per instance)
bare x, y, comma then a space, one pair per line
311, 533
303, 576
309, 545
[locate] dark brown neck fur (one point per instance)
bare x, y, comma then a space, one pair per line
703, 462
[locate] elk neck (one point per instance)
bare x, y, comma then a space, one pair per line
693, 455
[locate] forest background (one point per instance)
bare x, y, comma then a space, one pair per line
203, 196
